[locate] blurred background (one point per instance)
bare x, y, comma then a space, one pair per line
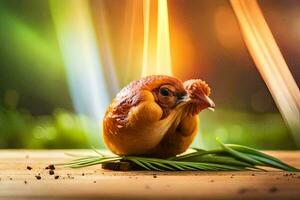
61, 63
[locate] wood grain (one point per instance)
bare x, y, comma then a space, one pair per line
18, 182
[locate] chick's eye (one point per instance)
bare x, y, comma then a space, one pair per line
164, 92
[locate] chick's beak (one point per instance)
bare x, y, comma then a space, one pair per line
204, 99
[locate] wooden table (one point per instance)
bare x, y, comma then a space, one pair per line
18, 182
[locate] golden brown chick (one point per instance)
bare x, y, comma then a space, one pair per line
155, 116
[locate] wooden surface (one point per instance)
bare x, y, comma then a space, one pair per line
18, 182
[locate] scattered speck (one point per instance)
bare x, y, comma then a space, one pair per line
38, 177
25, 182
29, 168
154, 176
51, 172
50, 167
273, 189
212, 181
82, 174
94, 182
242, 190
56, 177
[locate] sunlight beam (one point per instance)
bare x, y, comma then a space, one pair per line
77, 40
270, 62
157, 52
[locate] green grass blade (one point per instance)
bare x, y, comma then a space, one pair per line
268, 158
197, 153
95, 162
217, 159
151, 166
163, 166
239, 155
274, 164
136, 161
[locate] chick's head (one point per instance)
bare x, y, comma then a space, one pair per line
197, 98
169, 93
191, 96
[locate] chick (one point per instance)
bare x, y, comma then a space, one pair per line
155, 116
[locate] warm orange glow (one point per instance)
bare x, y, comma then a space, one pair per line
226, 28
156, 54
269, 62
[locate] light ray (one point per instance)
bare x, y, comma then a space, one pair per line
99, 17
77, 42
157, 53
270, 62
131, 39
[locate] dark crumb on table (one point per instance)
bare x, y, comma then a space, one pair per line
29, 168
252, 174
212, 181
82, 174
10, 178
273, 189
94, 182
50, 167
56, 177
70, 177
242, 190
154, 176
285, 174
51, 172
25, 182
38, 177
